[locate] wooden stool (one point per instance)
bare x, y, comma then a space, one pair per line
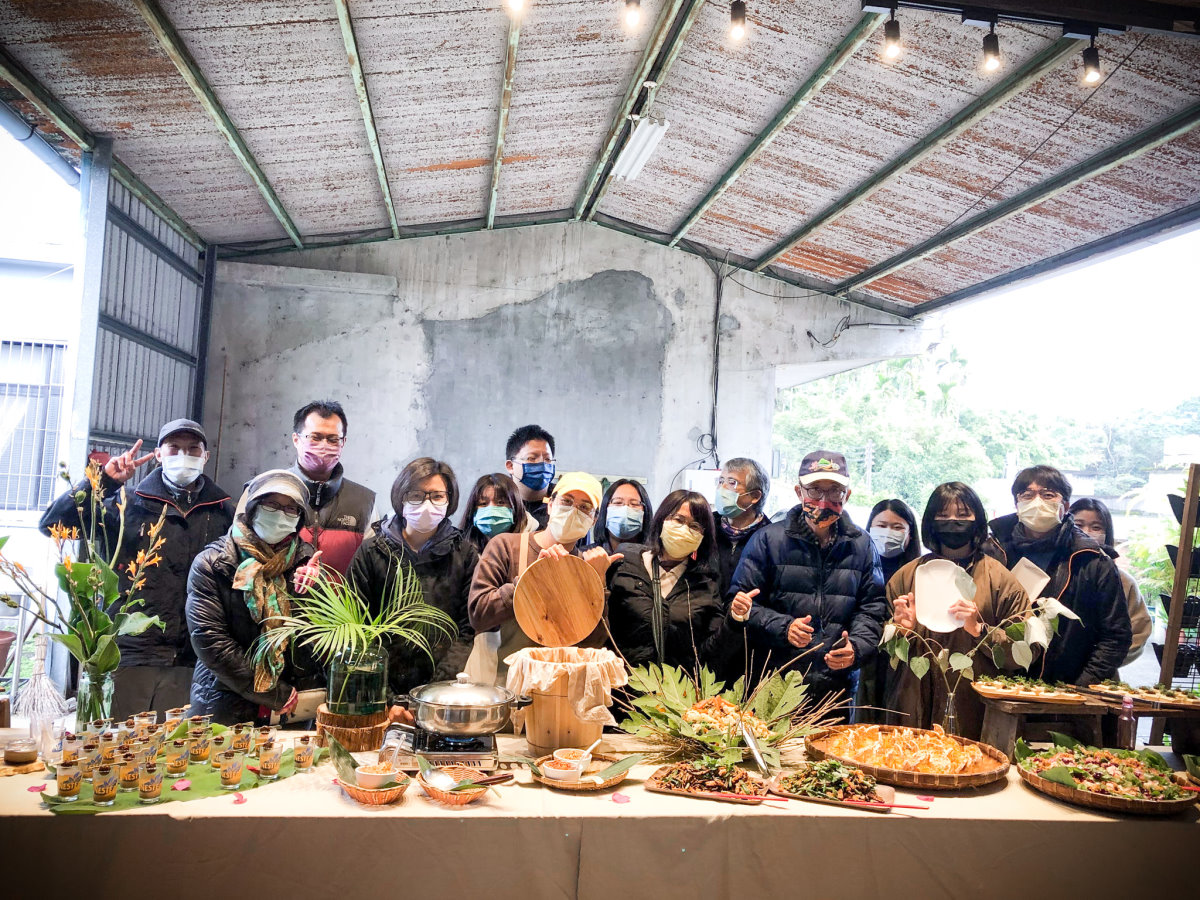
1006, 720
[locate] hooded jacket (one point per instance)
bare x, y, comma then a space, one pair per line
445, 566
186, 532
1085, 580
840, 586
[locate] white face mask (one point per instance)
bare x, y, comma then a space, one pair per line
423, 517
1039, 515
889, 542
679, 541
273, 526
182, 469
568, 524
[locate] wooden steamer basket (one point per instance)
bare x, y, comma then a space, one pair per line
814, 750
557, 603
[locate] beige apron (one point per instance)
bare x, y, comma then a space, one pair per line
491, 648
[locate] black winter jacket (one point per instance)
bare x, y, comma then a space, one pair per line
1086, 581
841, 587
223, 633
445, 567
729, 552
694, 619
186, 533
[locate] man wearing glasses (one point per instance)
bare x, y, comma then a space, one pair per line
742, 491
345, 509
529, 460
815, 583
1082, 577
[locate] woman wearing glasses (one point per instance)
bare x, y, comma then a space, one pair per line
238, 587
420, 535
624, 516
664, 601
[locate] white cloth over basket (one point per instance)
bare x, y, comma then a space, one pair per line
591, 676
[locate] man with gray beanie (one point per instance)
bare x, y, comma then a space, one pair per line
156, 666
239, 587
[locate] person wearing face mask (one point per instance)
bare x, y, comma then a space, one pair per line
420, 537
742, 490
238, 587
816, 585
954, 527
156, 665
1093, 519
1082, 577
572, 512
624, 517
493, 507
529, 461
664, 601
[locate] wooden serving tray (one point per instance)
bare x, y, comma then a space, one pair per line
1058, 698
814, 749
1129, 805
657, 787
1142, 702
886, 795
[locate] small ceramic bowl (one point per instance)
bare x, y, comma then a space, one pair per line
568, 772
578, 758
375, 779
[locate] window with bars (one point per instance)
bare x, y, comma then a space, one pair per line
31, 394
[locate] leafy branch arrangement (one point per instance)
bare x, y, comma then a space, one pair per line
97, 611
1015, 638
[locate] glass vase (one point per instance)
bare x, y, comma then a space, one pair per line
950, 716
93, 699
358, 682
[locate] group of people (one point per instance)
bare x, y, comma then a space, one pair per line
688, 583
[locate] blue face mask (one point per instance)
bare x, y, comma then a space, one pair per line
624, 521
537, 476
727, 503
493, 520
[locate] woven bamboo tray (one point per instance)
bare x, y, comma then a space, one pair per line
814, 750
455, 798
356, 733
1128, 805
655, 786
375, 796
600, 761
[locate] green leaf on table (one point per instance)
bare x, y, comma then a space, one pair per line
1060, 775
1021, 750
343, 762
1192, 764
620, 767
1022, 654
919, 666
1064, 740
1156, 761
959, 661
523, 760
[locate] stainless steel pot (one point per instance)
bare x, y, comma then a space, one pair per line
461, 708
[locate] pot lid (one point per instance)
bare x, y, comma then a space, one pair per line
559, 602
461, 692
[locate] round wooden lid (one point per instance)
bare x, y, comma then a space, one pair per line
558, 602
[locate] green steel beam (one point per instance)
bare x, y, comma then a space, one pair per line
510, 68
1142, 142
657, 36
674, 47
846, 48
962, 120
48, 105
172, 44
364, 103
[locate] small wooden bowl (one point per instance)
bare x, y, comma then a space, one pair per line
455, 798
375, 796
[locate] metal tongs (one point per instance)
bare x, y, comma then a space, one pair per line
752, 743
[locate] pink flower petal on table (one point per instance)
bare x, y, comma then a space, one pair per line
619, 798
927, 799
238, 798
181, 785
36, 788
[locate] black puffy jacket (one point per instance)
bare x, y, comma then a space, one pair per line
445, 566
729, 551
840, 586
223, 633
186, 533
694, 619
1087, 582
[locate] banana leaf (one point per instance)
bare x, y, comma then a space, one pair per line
344, 762
620, 767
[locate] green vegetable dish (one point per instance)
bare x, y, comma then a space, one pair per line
1114, 773
830, 780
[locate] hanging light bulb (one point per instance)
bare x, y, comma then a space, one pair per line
991, 51
891, 37
1091, 63
516, 7
633, 13
737, 19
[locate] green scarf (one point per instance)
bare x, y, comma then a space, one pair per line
262, 577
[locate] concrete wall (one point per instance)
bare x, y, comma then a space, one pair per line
443, 345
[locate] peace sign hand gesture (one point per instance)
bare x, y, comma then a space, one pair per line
121, 468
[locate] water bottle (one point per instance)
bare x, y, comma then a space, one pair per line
1127, 725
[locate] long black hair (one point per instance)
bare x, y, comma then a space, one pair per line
600, 532
701, 512
502, 487
1091, 504
948, 494
913, 549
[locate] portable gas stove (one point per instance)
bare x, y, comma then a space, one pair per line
476, 752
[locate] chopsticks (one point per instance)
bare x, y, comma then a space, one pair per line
883, 805
747, 796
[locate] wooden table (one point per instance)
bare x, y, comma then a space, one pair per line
1004, 719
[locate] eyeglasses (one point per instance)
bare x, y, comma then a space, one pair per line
289, 509
333, 440
1046, 494
632, 504
583, 506
690, 524
534, 460
729, 482
834, 493
437, 497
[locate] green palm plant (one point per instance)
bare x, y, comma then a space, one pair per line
334, 621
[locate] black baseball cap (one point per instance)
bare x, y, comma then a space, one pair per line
824, 465
177, 425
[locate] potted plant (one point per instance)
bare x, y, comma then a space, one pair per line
97, 611
334, 621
